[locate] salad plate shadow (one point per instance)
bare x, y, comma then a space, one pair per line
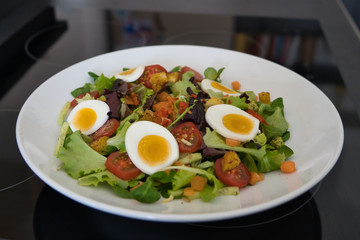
316, 132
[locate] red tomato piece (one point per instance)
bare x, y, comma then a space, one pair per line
188, 137
198, 77
121, 166
108, 129
239, 176
94, 94
150, 70
256, 115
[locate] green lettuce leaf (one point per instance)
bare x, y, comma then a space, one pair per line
271, 161
214, 140
179, 88
118, 140
102, 82
104, 176
181, 179
79, 159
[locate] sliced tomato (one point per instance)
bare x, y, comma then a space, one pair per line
150, 70
198, 77
94, 94
108, 129
239, 176
121, 166
188, 137
256, 115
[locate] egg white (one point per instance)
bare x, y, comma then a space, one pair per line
140, 129
214, 117
138, 71
206, 86
101, 109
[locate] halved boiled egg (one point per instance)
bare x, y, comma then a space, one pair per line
88, 116
232, 122
131, 74
207, 85
150, 146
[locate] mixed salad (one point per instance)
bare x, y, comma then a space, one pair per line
153, 134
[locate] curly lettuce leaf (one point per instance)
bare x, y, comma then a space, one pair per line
79, 159
211, 191
179, 88
104, 176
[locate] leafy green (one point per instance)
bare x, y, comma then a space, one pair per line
146, 193
179, 88
182, 178
102, 82
118, 140
187, 158
84, 89
212, 74
214, 140
249, 163
93, 75
271, 161
176, 69
104, 176
79, 159
143, 93
217, 184
162, 176
237, 102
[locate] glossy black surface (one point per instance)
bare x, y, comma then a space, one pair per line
57, 37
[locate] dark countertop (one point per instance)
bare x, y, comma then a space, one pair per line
316, 39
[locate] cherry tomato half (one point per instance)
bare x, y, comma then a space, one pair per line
150, 70
239, 176
108, 129
256, 115
198, 77
188, 137
121, 166
94, 94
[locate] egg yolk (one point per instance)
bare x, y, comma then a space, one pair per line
222, 88
154, 150
84, 119
127, 72
238, 123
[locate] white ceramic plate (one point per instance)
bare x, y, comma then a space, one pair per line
315, 126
